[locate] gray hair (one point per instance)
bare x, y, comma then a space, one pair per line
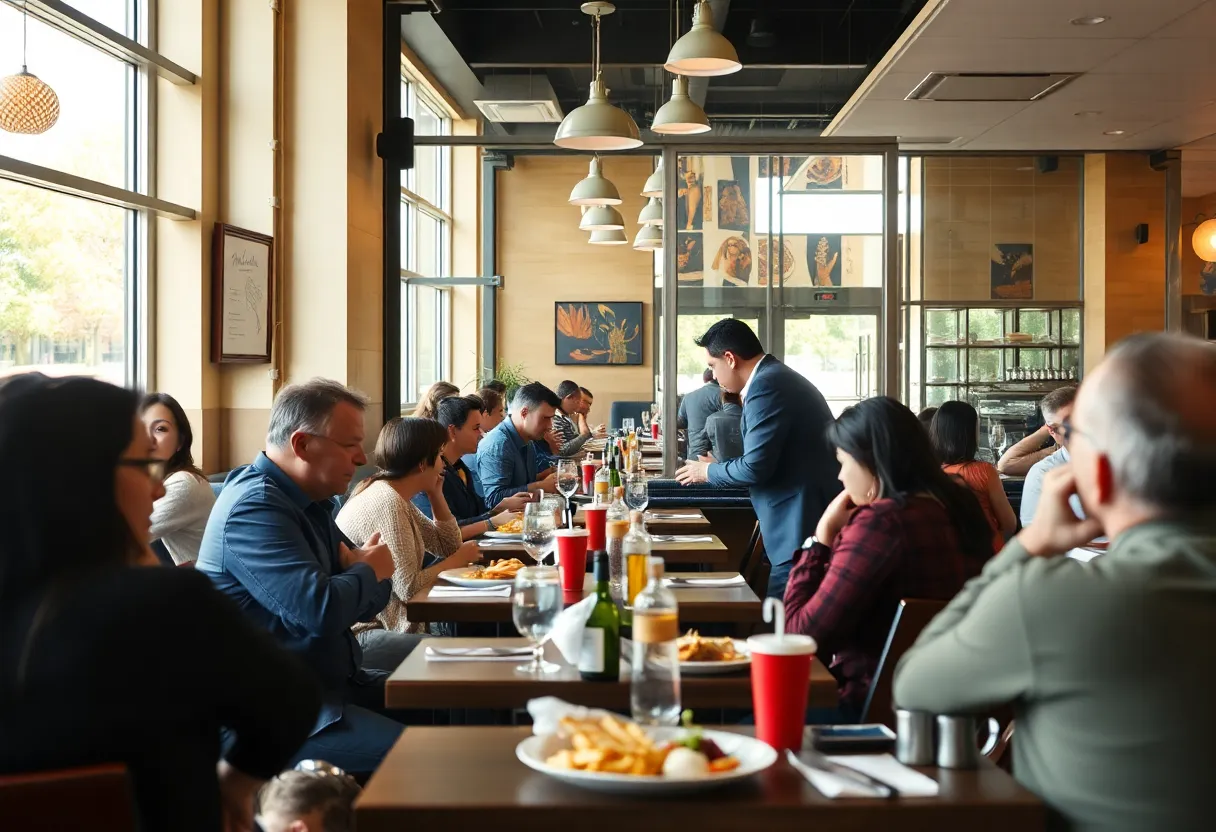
1157, 408
307, 407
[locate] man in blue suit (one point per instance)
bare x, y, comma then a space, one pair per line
787, 462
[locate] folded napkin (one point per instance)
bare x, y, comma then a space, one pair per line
682, 538
567, 633
491, 542
678, 581
445, 591
662, 515
478, 654
882, 767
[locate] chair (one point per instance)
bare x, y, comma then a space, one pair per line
626, 410
754, 567
913, 615
97, 798
1002, 753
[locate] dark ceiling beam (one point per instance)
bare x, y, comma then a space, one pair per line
523, 67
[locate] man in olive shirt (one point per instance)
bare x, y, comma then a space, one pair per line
1110, 665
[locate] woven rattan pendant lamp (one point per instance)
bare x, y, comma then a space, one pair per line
27, 103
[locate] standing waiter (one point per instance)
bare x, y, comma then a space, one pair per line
787, 462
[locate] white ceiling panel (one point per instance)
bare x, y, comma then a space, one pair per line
1050, 18
1163, 56
933, 54
933, 118
1207, 143
1196, 25
895, 86
1101, 89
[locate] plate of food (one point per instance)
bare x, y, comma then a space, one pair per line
613, 755
513, 530
701, 656
498, 572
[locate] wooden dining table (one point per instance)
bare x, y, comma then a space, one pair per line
685, 546
734, 604
420, 682
456, 779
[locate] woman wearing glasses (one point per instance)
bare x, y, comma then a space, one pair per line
92, 669
179, 517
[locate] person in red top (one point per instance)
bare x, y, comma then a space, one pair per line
902, 528
955, 433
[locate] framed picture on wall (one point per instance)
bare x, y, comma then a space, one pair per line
242, 296
598, 332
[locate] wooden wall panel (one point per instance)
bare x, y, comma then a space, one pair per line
1135, 273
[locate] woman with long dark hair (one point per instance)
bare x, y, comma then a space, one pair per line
901, 528
92, 668
408, 452
179, 517
955, 433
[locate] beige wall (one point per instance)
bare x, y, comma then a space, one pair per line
544, 258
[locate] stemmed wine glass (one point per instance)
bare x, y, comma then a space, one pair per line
538, 530
637, 491
567, 480
536, 601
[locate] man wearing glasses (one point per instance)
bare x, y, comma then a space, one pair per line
1057, 407
1045, 442
1109, 665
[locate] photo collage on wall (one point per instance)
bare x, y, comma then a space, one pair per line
715, 239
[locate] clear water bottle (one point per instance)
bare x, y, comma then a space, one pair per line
654, 695
616, 526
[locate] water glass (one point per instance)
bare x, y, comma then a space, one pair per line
628, 424
567, 479
538, 530
637, 491
557, 507
536, 602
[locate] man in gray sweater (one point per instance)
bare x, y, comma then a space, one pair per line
695, 408
1111, 665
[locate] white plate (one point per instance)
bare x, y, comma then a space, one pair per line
754, 757
457, 577
714, 668
504, 535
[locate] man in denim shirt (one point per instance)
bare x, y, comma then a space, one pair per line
271, 545
506, 458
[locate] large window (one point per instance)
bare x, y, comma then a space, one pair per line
70, 267
426, 247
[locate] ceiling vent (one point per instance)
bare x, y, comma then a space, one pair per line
519, 99
988, 86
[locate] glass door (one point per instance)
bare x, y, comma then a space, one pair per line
837, 353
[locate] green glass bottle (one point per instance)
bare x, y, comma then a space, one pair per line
614, 472
599, 659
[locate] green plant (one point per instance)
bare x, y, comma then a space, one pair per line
512, 375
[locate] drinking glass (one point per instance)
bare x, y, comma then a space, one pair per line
568, 477
646, 421
557, 507
536, 601
628, 424
538, 530
637, 491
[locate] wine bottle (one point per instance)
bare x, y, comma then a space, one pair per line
599, 659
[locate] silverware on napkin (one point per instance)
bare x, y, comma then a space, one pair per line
815, 760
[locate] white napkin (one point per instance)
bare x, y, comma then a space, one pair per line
704, 583
547, 713
478, 654
883, 767
683, 538
657, 515
492, 542
444, 591
567, 633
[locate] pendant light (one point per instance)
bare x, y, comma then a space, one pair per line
1204, 240
702, 51
652, 213
27, 103
597, 125
654, 182
649, 238
681, 115
615, 237
602, 218
595, 189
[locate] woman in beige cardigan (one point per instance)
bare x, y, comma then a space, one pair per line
408, 454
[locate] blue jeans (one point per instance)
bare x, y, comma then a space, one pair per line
359, 740
778, 576
385, 650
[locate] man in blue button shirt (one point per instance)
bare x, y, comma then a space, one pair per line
506, 458
271, 545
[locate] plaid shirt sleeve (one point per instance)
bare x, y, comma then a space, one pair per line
829, 588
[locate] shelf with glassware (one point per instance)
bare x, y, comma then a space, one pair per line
969, 350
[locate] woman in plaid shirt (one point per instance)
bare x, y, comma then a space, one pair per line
901, 528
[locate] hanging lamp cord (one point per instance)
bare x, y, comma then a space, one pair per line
595, 54
25, 29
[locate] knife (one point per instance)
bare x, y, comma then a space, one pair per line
815, 760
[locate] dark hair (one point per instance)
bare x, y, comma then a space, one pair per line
499, 387
955, 432
436, 393
567, 388
532, 395
307, 406
885, 437
1057, 399
586, 392
294, 794
730, 335
926, 416
92, 423
404, 443
727, 397
454, 411
708, 376
182, 458
491, 399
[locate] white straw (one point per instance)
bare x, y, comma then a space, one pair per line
774, 610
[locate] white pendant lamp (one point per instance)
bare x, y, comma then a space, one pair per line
595, 189
602, 218
680, 116
27, 103
649, 238
597, 125
702, 51
652, 213
654, 182
615, 237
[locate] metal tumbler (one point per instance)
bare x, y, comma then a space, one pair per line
914, 737
956, 741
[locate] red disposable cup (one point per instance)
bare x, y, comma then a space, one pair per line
781, 668
588, 476
654, 431
572, 558
596, 517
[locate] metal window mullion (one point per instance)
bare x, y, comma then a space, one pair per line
27, 173
425, 204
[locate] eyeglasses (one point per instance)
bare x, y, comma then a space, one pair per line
1068, 431
332, 441
154, 468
